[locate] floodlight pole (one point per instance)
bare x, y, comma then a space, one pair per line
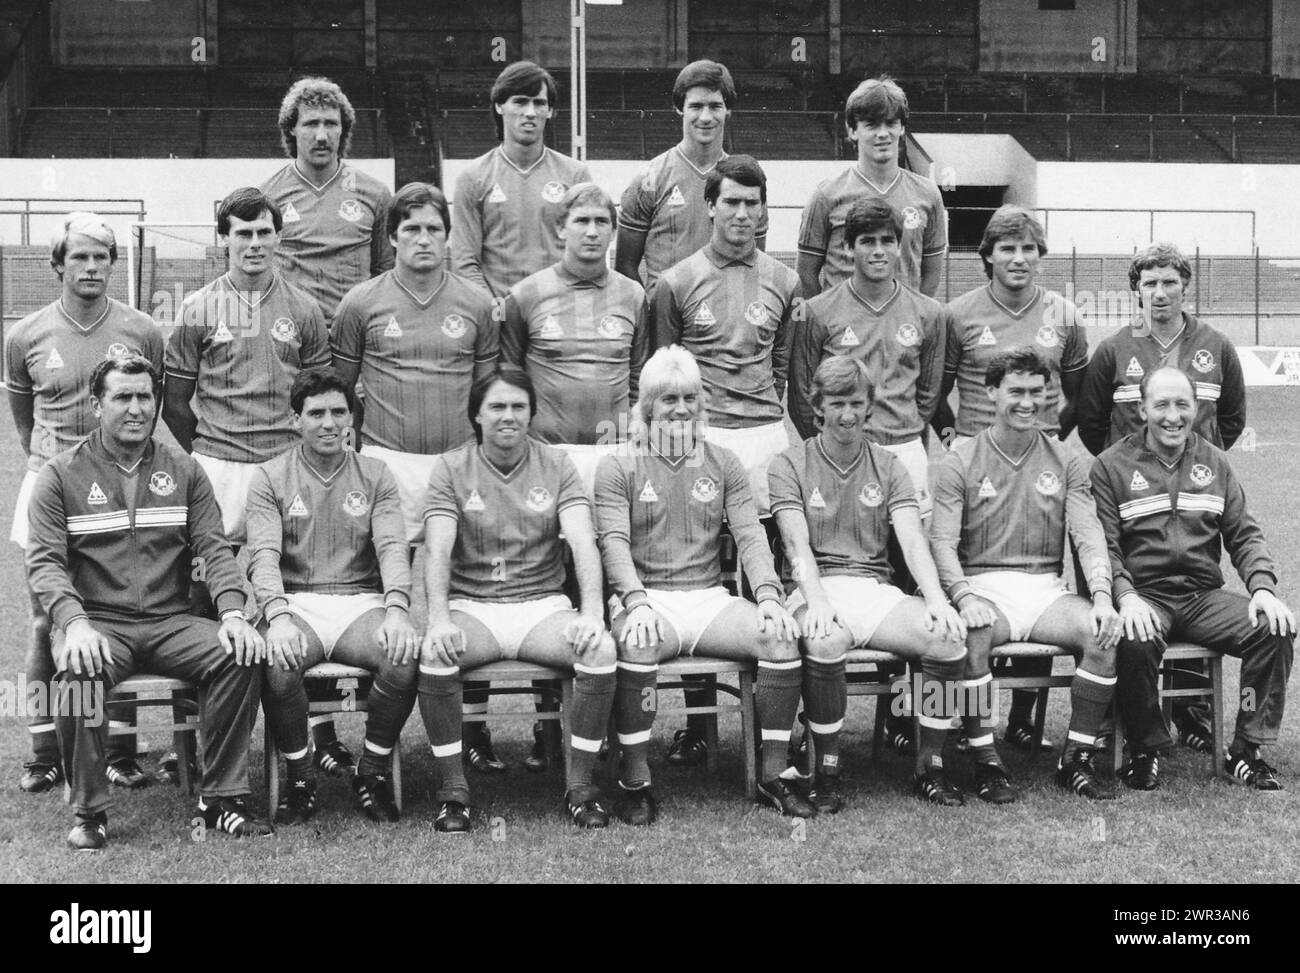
578, 80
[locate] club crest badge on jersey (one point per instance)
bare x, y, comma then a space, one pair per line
1047, 336
161, 484
351, 210
1203, 361
356, 503
454, 326
911, 218
539, 499
756, 313
1202, 475
117, 350
553, 192
871, 495
908, 335
284, 329
1048, 483
704, 489
609, 327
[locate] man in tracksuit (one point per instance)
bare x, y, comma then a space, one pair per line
119, 525
1169, 502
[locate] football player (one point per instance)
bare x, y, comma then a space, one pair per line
836, 498
495, 572
116, 523
1002, 504
328, 562
49, 356
507, 200
664, 218
875, 116
332, 214
660, 507
1169, 503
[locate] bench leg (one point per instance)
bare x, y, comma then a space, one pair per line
566, 714
397, 773
1040, 720
1117, 741
709, 686
1216, 711
883, 703
749, 737
271, 760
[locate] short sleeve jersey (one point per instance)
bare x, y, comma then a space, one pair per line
980, 327
583, 343
326, 527
917, 206
508, 545
848, 510
243, 357
734, 316
666, 203
334, 235
49, 357
503, 226
417, 358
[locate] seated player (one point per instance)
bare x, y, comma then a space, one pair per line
495, 574
117, 524
1169, 503
660, 507
328, 560
836, 497
1002, 502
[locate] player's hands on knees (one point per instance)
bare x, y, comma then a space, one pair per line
583, 632
286, 646
642, 628
237, 636
444, 641
84, 649
772, 617
1106, 624
397, 637
1281, 620
819, 620
1139, 620
976, 612
941, 617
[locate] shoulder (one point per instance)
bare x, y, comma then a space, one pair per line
625, 288
130, 317
473, 174
296, 298
461, 290
964, 304
781, 274
364, 291
279, 180
791, 460
27, 328
455, 461
1122, 450
366, 183
922, 186
569, 169
926, 307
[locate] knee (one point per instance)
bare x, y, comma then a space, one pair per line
1098, 661
604, 654
772, 648
278, 683
401, 675
1133, 653
827, 648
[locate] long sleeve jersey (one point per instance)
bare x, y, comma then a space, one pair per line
1166, 526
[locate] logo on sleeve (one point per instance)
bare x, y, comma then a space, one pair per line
288, 214
1134, 369
454, 326
609, 327
55, 360
539, 499
1139, 482
648, 494
221, 334
496, 195
911, 218
550, 328
756, 313
351, 210
392, 329
161, 484
298, 508
1048, 483
849, 340
704, 489
553, 192
356, 503
908, 336
1203, 361
117, 350
871, 495
1202, 475
1047, 336
986, 337
675, 198
284, 329
474, 504
704, 316
96, 496
816, 500
986, 488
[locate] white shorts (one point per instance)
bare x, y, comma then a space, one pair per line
916, 460
411, 471
18, 532
1021, 597
690, 612
755, 447
329, 616
860, 604
230, 481
586, 458
511, 621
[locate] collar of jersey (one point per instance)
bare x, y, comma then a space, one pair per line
1015, 463
506, 475
702, 173
523, 172
720, 261
843, 471
413, 296
327, 480
676, 464
573, 280
95, 442
311, 185
882, 192
85, 329
1038, 295
898, 288
228, 284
